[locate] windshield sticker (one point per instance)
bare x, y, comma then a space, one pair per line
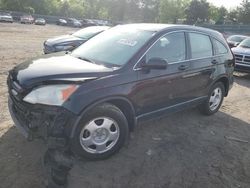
127, 42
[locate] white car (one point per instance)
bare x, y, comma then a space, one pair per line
6, 18
242, 56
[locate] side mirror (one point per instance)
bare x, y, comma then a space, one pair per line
155, 63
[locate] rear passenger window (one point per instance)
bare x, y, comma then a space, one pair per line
201, 45
221, 49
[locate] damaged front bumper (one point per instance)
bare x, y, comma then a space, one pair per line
52, 124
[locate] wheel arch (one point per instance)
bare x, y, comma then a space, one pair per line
225, 82
124, 104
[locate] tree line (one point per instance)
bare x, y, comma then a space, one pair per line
165, 11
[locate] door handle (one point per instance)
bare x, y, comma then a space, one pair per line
214, 62
183, 67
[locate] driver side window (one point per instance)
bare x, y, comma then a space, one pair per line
170, 47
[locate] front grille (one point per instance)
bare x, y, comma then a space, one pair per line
21, 111
48, 48
243, 59
15, 90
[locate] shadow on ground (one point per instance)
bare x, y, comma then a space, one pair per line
185, 149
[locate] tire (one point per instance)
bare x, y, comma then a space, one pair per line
214, 100
96, 140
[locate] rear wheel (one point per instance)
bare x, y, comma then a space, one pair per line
102, 131
214, 100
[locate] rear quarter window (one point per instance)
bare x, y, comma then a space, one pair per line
201, 46
219, 47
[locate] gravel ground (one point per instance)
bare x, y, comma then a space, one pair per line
181, 150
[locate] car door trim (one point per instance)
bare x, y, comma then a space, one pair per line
171, 107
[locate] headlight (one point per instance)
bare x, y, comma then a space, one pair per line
51, 95
61, 47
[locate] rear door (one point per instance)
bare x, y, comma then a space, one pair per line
202, 63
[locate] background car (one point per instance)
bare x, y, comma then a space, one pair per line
61, 22
27, 19
5, 17
87, 23
235, 40
40, 21
74, 23
242, 56
70, 42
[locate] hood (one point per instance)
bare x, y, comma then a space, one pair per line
241, 50
63, 39
57, 68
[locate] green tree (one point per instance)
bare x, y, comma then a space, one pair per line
172, 10
244, 16
197, 11
233, 15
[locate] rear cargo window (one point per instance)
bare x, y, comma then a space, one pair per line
220, 48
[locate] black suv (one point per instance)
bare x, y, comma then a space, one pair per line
89, 100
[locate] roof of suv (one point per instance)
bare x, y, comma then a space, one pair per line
161, 27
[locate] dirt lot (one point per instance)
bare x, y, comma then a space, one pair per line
183, 150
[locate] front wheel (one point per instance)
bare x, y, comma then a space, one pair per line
214, 100
102, 131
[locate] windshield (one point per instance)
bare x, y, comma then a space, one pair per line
88, 32
245, 43
114, 46
236, 38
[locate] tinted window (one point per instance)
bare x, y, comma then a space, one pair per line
221, 49
201, 45
171, 47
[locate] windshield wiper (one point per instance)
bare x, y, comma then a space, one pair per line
243, 46
110, 65
86, 59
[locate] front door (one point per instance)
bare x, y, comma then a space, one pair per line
159, 89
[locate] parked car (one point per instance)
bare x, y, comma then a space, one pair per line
89, 100
74, 23
27, 19
242, 56
87, 23
70, 42
235, 40
40, 21
62, 22
5, 17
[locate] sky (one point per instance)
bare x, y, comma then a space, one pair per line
226, 3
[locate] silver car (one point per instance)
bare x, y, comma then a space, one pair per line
242, 56
6, 18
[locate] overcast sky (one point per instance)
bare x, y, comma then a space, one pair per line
226, 3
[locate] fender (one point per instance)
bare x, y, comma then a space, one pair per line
73, 129
229, 82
